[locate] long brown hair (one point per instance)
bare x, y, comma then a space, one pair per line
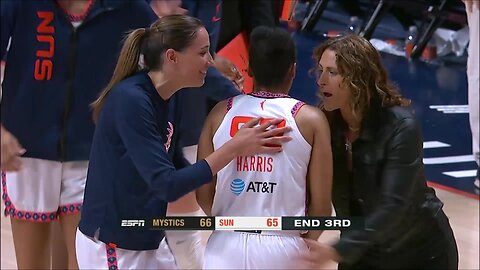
169, 32
360, 65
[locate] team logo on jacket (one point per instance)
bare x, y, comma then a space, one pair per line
169, 136
237, 186
45, 46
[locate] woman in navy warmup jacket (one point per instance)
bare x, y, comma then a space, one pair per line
131, 173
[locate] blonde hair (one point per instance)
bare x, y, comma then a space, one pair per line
169, 32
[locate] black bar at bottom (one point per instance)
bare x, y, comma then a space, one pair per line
323, 223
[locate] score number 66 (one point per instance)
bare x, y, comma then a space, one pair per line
205, 222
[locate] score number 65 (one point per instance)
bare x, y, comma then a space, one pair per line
272, 222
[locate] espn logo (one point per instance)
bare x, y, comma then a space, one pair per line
133, 223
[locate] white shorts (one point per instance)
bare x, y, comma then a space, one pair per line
187, 246
94, 254
190, 153
44, 190
239, 250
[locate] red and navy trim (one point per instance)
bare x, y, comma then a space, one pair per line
80, 17
297, 107
111, 256
265, 94
229, 103
69, 209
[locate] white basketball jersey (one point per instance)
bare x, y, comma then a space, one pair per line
265, 184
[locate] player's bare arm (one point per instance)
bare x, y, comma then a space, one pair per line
314, 127
206, 193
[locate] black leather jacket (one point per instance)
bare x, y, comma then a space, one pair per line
386, 185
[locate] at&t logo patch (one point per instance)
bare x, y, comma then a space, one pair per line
237, 186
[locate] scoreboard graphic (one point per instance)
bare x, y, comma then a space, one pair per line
245, 223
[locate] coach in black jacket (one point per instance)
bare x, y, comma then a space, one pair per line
378, 169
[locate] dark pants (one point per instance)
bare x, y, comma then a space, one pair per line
435, 249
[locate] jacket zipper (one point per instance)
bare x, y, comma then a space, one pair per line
72, 54
71, 68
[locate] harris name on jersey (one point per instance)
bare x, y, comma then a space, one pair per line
254, 163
